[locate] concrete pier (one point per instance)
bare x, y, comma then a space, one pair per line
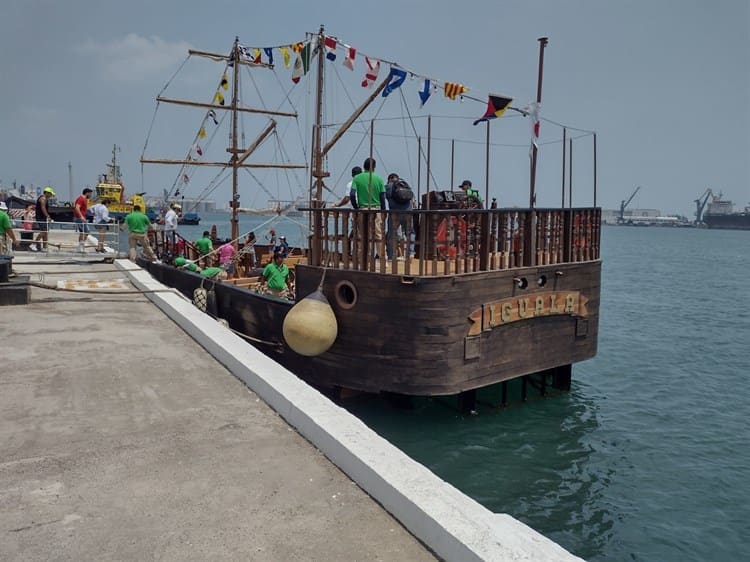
122, 439
125, 435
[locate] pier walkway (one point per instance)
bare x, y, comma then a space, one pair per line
121, 438
128, 431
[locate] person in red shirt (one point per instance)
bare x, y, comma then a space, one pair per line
79, 217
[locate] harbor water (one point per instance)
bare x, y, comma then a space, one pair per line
294, 228
648, 456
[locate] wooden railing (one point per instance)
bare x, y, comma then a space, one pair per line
454, 241
173, 244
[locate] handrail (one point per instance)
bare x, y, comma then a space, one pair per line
451, 241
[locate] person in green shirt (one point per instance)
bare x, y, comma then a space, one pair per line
276, 275
139, 225
205, 245
214, 273
471, 192
182, 263
6, 230
368, 192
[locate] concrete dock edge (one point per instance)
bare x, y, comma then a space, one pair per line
450, 523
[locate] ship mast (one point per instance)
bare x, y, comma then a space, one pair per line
318, 172
532, 188
235, 159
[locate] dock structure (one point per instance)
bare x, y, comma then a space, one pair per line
127, 433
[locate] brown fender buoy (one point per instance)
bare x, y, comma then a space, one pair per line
310, 327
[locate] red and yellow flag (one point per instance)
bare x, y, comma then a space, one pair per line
452, 90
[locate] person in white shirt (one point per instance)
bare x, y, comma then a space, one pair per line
101, 220
170, 223
347, 195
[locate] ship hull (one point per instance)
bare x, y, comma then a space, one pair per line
59, 213
424, 336
731, 221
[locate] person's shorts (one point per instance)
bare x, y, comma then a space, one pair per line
102, 226
42, 226
81, 225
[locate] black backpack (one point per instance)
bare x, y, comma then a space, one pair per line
402, 193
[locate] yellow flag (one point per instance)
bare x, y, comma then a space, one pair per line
224, 82
452, 90
287, 56
202, 133
219, 98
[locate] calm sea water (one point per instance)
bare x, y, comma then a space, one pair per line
294, 228
648, 457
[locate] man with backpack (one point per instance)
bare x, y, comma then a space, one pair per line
399, 196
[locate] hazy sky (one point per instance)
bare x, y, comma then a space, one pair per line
665, 84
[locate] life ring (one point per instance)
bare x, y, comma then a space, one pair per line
579, 237
448, 246
516, 241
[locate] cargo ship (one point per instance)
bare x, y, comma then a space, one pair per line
720, 214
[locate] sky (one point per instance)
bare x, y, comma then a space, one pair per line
664, 84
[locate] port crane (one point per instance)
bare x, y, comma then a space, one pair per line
624, 203
700, 204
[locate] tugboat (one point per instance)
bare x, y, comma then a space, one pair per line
109, 189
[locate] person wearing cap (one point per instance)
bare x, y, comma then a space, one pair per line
466, 186
282, 246
43, 219
170, 223
6, 230
80, 208
271, 237
348, 193
276, 275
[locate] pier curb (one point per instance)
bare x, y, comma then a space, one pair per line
450, 523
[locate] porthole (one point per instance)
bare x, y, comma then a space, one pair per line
346, 294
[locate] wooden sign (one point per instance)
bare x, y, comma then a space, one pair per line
513, 309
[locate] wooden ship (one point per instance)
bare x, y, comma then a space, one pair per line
480, 295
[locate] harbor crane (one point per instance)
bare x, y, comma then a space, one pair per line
624, 203
700, 204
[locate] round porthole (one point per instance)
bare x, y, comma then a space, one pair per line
346, 294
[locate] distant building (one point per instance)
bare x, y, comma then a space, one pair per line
611, 216
189, 204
